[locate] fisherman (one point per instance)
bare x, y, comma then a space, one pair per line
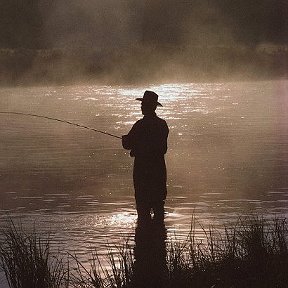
147, 141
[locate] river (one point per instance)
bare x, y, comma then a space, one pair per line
227, 158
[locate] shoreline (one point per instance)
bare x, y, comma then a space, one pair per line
253, 252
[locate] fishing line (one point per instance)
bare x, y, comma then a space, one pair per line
63, 121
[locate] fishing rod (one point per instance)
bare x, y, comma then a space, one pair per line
60, 120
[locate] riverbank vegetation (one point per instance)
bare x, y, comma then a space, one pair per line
138, 65
250, 253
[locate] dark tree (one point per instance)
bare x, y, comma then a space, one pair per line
21, 24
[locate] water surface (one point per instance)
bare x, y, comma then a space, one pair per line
227, 157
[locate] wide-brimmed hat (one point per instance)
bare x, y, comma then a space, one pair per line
151, 98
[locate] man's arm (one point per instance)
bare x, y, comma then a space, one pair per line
162, 142
128, 141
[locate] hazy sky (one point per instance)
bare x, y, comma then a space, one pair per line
122, 23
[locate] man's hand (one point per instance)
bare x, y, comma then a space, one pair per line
126, 142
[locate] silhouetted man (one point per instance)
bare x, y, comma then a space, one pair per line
147, 141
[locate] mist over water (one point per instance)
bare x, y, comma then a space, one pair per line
143, 41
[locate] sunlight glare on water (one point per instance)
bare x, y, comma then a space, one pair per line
123, 219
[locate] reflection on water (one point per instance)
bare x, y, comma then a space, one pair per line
150, 255
227, 157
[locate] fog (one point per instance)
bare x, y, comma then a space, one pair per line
141, 40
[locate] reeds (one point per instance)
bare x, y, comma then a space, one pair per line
250, 253
27, 261
114, 271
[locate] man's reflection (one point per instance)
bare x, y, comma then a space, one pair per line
150, 255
